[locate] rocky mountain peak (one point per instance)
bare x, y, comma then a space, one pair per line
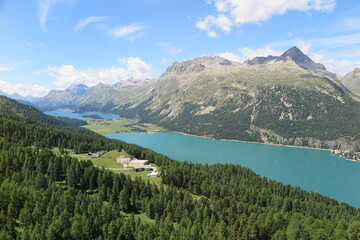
198, 64
77, 89
294, 54
302, 60
260, 60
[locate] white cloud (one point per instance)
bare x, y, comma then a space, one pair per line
236, 12
44, 7
212, 34
339, 66
24, 89
6, 68
138, 68
124, 31
221, 21
88, 20
168, 48
165, 60
231, 56
249, 53
303, 45
66, 75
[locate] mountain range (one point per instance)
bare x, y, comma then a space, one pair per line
287, 99
61, 99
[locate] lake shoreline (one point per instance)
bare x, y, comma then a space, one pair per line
272, 144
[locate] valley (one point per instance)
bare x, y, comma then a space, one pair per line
287, 99
180, 120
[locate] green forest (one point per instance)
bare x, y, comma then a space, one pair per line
45, 195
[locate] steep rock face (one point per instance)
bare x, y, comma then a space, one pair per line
197, 65
59, 99
302, 60
260, 60
352, 81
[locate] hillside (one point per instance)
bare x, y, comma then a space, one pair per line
12, 107
47, 195
286, 99
352, 81
289, 100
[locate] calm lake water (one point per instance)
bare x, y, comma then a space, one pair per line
71, 114
315, 170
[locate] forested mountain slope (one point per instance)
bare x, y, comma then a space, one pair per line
10, 106
289, 100
44, 195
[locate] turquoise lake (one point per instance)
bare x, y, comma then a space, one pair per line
311, 169
71, 114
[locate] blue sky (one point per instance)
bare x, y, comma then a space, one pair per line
51, 44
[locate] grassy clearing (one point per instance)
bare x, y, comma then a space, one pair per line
108, 160
108, 126
142, 175
143, 217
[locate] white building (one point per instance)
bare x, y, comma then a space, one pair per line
153, 174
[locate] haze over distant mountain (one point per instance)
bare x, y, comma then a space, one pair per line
352, 81
106, 96
61, 99
29, 99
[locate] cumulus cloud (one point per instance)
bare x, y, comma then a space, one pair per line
338, 66
66, 75
138, 68
23, 89
249, 53
88, 20
125, 31
170, 49
303, 45
236, 12
230, 56
212, 34
44, 7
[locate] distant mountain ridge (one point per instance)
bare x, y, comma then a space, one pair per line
62, 99
15, 96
